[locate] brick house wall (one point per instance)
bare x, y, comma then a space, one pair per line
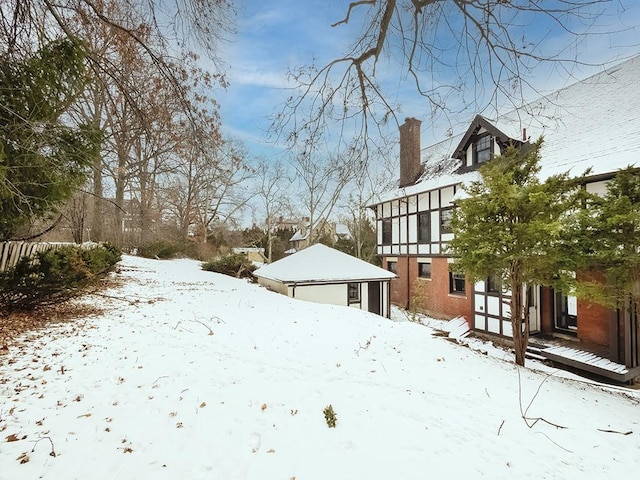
430, 296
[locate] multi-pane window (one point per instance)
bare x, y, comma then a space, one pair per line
482, 149
386, 231
494, 284
424, 269
424, 235
456, 283
446, 217
353, 290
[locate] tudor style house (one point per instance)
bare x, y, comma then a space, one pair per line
592, 124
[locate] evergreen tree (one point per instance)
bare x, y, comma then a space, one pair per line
43, 159
510, 226
609, 234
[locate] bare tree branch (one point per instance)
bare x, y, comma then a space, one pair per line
445, 47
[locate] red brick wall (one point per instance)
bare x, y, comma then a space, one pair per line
432, 295
399, 290
593, 323
593, 319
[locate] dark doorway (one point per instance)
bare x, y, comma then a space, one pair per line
374, 297
566, 313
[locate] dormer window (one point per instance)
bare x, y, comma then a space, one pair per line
482, 149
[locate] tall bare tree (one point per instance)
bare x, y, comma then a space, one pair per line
273, 193
208, 189
445, 48
321, 184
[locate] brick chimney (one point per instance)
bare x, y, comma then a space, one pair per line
410, 164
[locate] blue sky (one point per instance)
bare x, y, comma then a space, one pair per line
274, 36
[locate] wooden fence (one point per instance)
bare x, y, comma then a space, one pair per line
11, 252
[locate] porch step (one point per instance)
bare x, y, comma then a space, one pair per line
534, 353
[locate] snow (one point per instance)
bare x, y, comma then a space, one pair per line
193, 375
319, 263
592, 125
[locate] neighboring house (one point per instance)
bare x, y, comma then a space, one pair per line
254, 254
285, 224
322, 228
593, 124
324, 275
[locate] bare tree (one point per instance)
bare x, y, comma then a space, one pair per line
273, 190
208, 188
359, 219
127, 39
321, 183
75, 214
445, 48
223, 190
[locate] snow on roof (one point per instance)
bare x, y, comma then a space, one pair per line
592, 124
299, 236
319, 263
342, 229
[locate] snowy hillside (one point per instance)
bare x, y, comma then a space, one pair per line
192, 375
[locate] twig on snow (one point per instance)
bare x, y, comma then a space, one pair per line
53, 450
629, 432
366, 345
530, 421
555, 443
204, 324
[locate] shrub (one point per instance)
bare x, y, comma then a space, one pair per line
161, 250
54, 276
235, 265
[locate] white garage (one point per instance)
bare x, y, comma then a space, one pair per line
324, 275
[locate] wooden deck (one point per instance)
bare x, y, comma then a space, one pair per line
585, 358
590, 362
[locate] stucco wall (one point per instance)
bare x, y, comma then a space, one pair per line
332, 294
273, 285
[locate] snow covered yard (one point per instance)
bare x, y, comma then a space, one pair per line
193, 375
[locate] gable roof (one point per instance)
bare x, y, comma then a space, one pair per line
478, 122
321, 264
594, 123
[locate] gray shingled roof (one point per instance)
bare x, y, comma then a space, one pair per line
594, 123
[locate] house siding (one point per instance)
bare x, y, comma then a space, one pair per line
434, 294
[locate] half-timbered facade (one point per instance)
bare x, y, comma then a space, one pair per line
593, 124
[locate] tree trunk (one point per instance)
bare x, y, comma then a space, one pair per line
119, 200
519, 316
97, 220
